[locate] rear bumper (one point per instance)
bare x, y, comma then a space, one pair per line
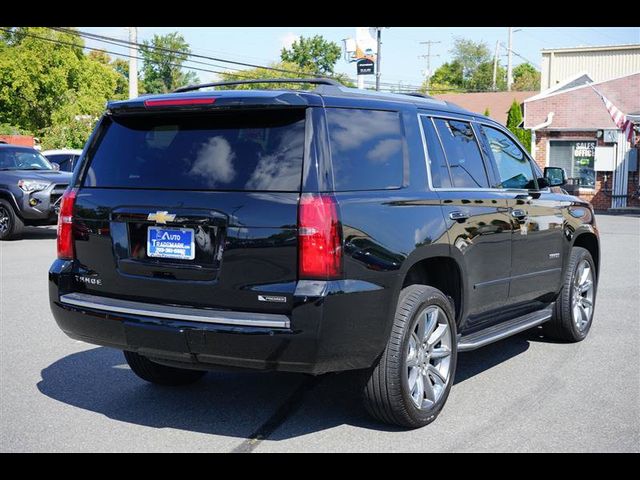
334, 326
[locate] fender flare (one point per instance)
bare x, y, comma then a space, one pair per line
7, 195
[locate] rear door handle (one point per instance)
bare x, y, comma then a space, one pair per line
458, 216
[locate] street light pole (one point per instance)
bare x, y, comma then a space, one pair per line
495, 66
378, 56
133, 62
428, 56
509, 72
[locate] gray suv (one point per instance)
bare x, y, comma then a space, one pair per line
30, 188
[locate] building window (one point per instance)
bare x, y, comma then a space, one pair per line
577, 159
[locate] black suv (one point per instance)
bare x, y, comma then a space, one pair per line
316, 231
30, 190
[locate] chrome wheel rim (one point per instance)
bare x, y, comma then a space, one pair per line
4, 220
583, 293
428, 358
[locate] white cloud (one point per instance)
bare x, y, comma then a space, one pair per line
214, 162
287, 39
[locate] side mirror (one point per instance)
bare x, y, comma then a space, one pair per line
555, 176
543, 183
55, 166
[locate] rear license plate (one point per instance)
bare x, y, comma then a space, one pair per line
171, 243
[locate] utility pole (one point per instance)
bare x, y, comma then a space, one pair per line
428, 56
378, 56
495, 65
133, 62
509, 72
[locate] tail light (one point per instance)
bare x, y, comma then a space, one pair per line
65, 225
319, 238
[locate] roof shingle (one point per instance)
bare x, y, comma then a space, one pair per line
498, 103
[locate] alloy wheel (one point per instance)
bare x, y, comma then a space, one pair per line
5, 220
428, 358
583, 294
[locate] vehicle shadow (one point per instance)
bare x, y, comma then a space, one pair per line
235, 404
38, 233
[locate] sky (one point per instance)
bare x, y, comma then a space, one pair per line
401, 47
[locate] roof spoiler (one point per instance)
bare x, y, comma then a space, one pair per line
313, 81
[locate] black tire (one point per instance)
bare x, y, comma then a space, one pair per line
12, 225
161, 374
386, 394
562, 325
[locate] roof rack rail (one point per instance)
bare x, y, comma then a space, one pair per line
416, 94
314, 81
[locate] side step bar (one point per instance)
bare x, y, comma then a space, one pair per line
503, 330
171, 312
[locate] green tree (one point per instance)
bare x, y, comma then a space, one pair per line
35, 75
470, 55
471, 68
314, 54
162, 59
514, 119
526, 78
290, 71
446, 78
47, 83
482, 78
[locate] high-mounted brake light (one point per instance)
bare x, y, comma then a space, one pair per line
65, 225
178, 102
319, 238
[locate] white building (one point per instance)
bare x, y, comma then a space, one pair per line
602, 63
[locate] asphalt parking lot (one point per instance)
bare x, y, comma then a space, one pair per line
521, 394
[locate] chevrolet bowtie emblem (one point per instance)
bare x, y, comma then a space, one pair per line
161, 217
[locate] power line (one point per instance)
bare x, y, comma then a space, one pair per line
390, 86
124, 44
168, 50
62, 42
139, 46
428, 56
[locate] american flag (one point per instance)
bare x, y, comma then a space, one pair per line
619, 118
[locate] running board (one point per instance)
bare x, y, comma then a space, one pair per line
503, 330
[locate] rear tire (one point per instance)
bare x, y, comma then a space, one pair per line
573, 311
11, 224
161, 374
411, 381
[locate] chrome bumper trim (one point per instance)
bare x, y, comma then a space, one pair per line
172, 312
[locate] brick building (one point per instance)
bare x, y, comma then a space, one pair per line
23, 140
572, 129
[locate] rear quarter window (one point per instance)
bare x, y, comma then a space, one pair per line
367, 149
248, 151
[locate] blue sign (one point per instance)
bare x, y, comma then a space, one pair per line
171, 243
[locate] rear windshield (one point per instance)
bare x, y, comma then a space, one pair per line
254, 151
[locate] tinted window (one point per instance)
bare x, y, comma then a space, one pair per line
22, 159
366, 149
437, 162
256, 151
65, 161
513, 165
463, 154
